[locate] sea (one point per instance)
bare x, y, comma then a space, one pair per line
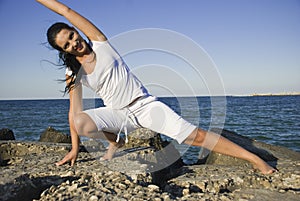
271, 119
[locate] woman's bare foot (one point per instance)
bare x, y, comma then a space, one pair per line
112, 148
263, 167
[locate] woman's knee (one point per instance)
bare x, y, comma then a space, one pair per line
196, 138
84, 124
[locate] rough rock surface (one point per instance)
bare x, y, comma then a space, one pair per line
143, 170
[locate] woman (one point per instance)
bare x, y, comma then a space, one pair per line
128, 104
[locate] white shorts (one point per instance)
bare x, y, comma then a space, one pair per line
146, 112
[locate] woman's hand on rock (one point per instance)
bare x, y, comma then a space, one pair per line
70, 157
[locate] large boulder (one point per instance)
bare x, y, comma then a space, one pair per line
150, 154
6, 134
52, 135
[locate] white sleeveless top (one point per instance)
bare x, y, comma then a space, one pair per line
111, 78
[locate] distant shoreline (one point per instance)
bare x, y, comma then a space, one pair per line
277, 94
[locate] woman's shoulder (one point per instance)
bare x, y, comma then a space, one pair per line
93, 43
100, 45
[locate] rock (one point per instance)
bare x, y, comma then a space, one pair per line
143, 138
153, 187
222, 174
6, 134
153, 159
93, 198
92, 146
245, 142
52, 135
29, 173
10, 151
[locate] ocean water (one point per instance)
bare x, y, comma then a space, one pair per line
271, 119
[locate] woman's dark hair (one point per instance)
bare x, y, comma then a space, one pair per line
66, 59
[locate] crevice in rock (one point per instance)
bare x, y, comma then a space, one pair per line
4, 162
292, 189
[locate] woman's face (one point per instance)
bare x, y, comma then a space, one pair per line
71, 42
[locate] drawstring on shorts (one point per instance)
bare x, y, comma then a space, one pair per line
124, 124
124, 127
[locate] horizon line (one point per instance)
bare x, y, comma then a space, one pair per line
166, 96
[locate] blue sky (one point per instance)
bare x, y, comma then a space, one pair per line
255, 44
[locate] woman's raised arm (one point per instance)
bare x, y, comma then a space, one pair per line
77, 20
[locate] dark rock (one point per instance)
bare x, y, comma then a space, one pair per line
164, 162
6, 134
168, 164
52, 135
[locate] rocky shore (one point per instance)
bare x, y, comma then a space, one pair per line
147, 168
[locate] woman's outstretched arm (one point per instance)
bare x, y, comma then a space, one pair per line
77, 20
75, 107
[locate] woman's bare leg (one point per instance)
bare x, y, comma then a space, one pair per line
219, 144
113, 146
86, 127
